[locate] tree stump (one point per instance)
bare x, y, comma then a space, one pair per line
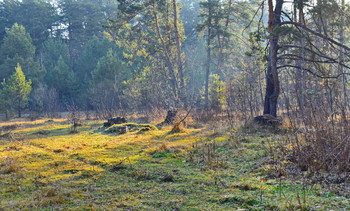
115, 120
267, 120
170, 117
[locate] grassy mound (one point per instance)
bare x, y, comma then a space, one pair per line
131, 127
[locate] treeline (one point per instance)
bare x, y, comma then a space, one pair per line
59, 45
111, 55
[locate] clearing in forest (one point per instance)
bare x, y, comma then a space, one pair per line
44, 166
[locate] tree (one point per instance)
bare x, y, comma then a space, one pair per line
110, 71
151, 34
17, 48
216, 20
62, 78
8, 9
87, 61
39, 22
284, 45
84, 19
89, 56
18, 89
109, 77
216, 93
272, 79
190, 17
37, 16
53, 49
17, 42
209, 8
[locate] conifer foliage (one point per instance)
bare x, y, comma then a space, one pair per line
17, 89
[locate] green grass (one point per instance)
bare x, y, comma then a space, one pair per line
197, 169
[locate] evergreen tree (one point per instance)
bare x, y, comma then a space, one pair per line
217, 90
90, 55
190, 17
151, 35
39, 22
17, 88
37, 16
18, 48
62, 78
17, 42
8, 9
111, 72
213, 15
84, 19
108, 82
53, 49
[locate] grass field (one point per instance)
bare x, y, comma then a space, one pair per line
45, 167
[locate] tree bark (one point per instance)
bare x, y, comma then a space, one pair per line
19, 108
272, 79
300, 76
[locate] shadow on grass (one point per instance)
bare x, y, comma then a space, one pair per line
48, 133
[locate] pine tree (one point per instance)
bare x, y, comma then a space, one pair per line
17, 88
217, 90
212, 15
110, 71
53, 49
159, 52
17, 48
62, 78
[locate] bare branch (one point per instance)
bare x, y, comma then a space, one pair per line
341, 62
313, 73
298, 25
330, 61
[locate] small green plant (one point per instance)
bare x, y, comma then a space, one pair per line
17, 90
217, 98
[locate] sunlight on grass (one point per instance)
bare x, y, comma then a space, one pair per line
196, 169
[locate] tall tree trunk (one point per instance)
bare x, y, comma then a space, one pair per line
208, 58
178, 48
300, 76
168, 61
340, 67
272, 80
223, 41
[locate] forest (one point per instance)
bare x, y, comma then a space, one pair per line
174, 105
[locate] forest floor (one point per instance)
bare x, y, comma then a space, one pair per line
45, 167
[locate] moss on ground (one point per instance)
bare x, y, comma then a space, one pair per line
197, 169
